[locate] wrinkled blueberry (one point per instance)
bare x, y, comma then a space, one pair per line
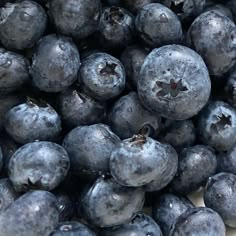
171, 78
22, 24
38, 165
55, 64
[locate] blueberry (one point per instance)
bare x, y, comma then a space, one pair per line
22, 24
141, 225
186, 10
72, 228
199, 221
102, 76
139, 160
196, 165
128, 117
38, 165
30, 121
89, 148
168, 174
230, 88
221, 9
76, 18
157, 25
180, 134
14, 71
1, 159
116, 27
33, 214
213, 35
132, 59
108, 204
217, 126
220, 195
76, 108
55, 64
171, 78
167, 209
7, 194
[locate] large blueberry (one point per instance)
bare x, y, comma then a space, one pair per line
22, 24
76, 18
171, 78
55, 63
89, 148
38, 165
30, 121
106, 203
128, 117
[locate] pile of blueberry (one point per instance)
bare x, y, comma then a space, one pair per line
112, 112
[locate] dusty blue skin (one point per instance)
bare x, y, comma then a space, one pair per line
33, 214
141, 225
76, 18
213, 35
136, 5
7, 194
171, 78
116, 27
72, 228
89, 148
196, 165
38, 165
220, 195
217, 126
30, 121
199, 221
128, 117
76, 108
107, 204
180, 134
220, 8
167, 209
157, 25
139, 160
55, 63
102, 76
22, 24
230, 88
14, 71
186, 10
132, 59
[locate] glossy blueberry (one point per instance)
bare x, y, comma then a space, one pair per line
220, 8
116, 27
230, 88
168, 174
22, 24
139, 160
196, 165
217, 126
108, 204
33, 214
132, 59
180, 134
220, 195
167, 209
213, 35
186, 10
72, 228
128, 117
157, 25
38, 165
76, 108
7, 194
30, 121
199, 221
102, 76
76, 18
55, 64
14, 71
89, 148
141, 225
171, 78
